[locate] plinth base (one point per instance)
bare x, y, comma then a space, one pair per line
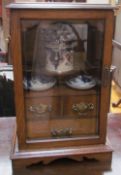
26, 159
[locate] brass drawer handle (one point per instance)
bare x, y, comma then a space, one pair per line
40, 109
66, 132
82, 107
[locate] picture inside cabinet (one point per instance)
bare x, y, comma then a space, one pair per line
61, 48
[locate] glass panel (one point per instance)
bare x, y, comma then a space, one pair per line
62, 63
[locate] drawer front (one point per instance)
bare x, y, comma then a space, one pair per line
80, 106
42, 108
62, 128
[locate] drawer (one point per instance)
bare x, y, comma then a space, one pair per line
80, 106
42, 108
61, 128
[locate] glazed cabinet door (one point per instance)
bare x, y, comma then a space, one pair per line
62, 87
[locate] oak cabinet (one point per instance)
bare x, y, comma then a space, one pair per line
62, 63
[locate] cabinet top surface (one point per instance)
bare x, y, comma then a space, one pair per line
59, 5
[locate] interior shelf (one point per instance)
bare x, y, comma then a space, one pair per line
60, 91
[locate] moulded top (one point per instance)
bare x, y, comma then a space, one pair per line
60, 5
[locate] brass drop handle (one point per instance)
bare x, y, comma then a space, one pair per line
82, 107
40, 109
64, 132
